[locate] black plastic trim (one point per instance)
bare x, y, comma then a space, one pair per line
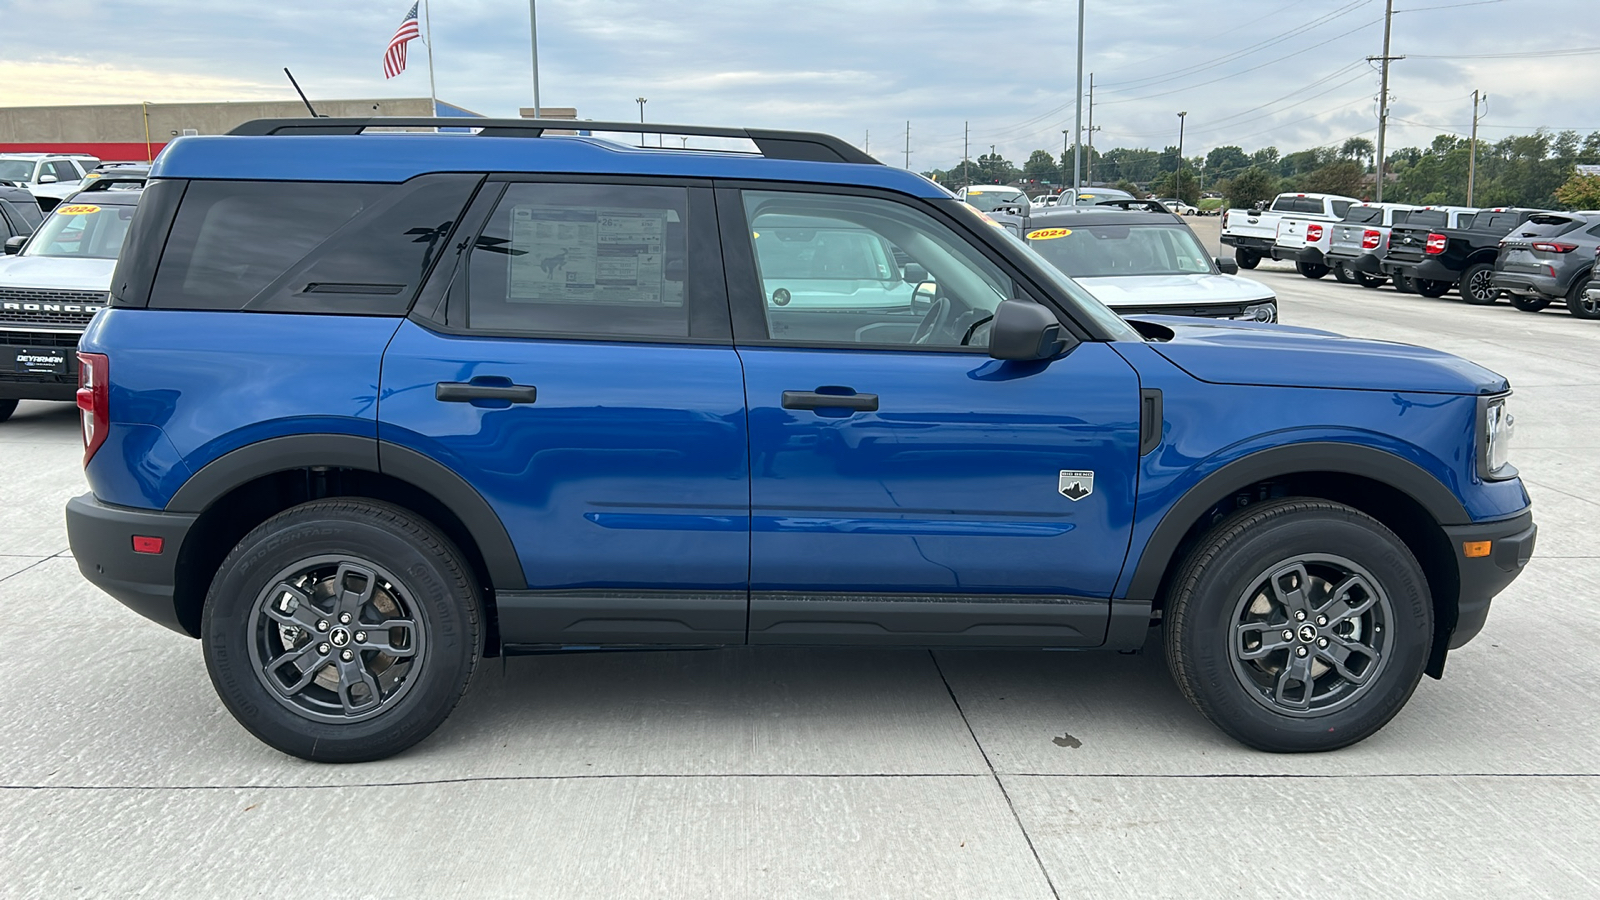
145, 243
1320, 456
920, 620
1151, 421
541, 620
1484, 577
101, 537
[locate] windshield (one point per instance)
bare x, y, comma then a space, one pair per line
1090, 198
82, 231
1069, 291
16, 169
1361, 215
1110, 251
991, 199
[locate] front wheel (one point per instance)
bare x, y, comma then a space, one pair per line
1343, 273
1247, 259
342, 630
1299, 625
1311, 270
1404, 284
1477, 285
1428, 288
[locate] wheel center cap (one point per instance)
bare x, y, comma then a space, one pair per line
1308, 633
339, 637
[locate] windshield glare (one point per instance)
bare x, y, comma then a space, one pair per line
991, 199
82, 231
16, 169
1111, 251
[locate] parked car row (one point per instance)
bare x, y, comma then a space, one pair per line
1534, 257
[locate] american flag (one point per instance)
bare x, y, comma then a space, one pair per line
394, 59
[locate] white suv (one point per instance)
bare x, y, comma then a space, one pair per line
50, 178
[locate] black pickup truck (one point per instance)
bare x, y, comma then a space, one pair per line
1434, 259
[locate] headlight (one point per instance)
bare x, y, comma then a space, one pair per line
1260, 312
1495, 427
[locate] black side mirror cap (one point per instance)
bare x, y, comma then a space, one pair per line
1023, 330
914, 273
14, 244
1227, 265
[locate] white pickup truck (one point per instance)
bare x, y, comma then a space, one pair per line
1253, 233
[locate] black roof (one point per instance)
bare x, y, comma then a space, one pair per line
15, 194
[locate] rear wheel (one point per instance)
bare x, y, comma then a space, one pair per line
342, 630
1247, 259
1404, 285
1369, 281
7, 407
1343, 273
1429, 288
1579, 302
1299, 625
1311, 270
1477, 285
1529, 302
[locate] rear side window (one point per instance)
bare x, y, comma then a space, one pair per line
308, 247
1401, 216
583, 260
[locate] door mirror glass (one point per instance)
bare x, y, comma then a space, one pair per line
1024, 331
1227, 265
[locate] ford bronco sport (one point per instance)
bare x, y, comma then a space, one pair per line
367, 408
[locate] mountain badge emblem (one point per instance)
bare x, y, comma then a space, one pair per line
1075, 485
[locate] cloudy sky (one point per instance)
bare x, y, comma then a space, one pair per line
1249, 72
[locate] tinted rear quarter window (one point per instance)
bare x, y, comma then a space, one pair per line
1427, 218
1361, 215
330, 247
1340, 207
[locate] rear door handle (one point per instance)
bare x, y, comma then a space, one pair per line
466, 392
815, 400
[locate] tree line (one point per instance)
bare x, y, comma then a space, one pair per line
1532, 170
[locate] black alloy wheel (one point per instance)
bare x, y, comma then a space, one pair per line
1579, 303
1299, 625
1477, 285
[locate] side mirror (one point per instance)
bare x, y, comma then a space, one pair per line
14, 244
47, 179
1228, 265
1025, 331
914, 273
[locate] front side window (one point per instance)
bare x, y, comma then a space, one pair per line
82, 231
591, 260
1109, 251
63, 171
861, 270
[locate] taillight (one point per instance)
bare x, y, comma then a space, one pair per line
94, 400
1313, 233
1436, 243
1555, 246
1370, 239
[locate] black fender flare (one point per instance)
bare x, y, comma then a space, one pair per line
345, 451
1319, 456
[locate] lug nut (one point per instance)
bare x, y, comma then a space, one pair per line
323, 649
322, 624
1300, 616
347, 656
361, 637
344, 618
1288, 635
1322, 620
1322, 642
1299, 651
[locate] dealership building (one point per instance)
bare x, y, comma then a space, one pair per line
138, 131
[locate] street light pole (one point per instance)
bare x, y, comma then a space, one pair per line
641, 101
1182, 116
533, 30
1077, 125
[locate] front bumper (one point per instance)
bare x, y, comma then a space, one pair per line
1511, 546
22, 385
1257, 311
101, 537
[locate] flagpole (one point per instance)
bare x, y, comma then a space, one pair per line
433, 94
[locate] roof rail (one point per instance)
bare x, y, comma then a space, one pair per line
797, 145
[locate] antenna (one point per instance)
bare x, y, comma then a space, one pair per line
300, 92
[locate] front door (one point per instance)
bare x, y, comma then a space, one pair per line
582, 379
906, 488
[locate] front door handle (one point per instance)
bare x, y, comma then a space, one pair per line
816, 400
466, 392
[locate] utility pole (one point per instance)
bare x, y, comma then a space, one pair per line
1090, 176
966, 165
641, 101
908, 143
1182, 117
1383, 92
533, 33
1077, 125
1472, 165
1064, 150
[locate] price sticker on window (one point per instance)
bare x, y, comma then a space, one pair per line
1047, 234
77, 209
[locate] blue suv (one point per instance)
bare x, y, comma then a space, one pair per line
366, 408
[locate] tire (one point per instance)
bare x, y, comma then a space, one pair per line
1343, 274
1477, 285
1224, 626
1247, 259
1578, 302
379, 701
1311, 270
1404, 285
7, 407
1371, 282
1529, 304
1434, 289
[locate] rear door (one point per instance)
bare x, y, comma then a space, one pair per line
905, 487
579, 375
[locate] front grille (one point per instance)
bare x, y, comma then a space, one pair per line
38, 339
41, 307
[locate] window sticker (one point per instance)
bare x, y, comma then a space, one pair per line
1045, 234
77, 209
590, 255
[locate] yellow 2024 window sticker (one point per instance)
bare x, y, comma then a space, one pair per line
1046, 234
77, 209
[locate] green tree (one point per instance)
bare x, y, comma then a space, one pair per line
1266, 158
1580, 192
1252, 186
1358, 149
1345, 177
1225, 162
1042, 166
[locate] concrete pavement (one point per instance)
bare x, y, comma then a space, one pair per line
828, 773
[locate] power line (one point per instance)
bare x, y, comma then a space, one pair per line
1574, 51
1221, 124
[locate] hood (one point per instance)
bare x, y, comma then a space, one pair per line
56, 272
1175, 290
1281, 356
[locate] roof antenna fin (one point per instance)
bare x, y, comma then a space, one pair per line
302, 94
